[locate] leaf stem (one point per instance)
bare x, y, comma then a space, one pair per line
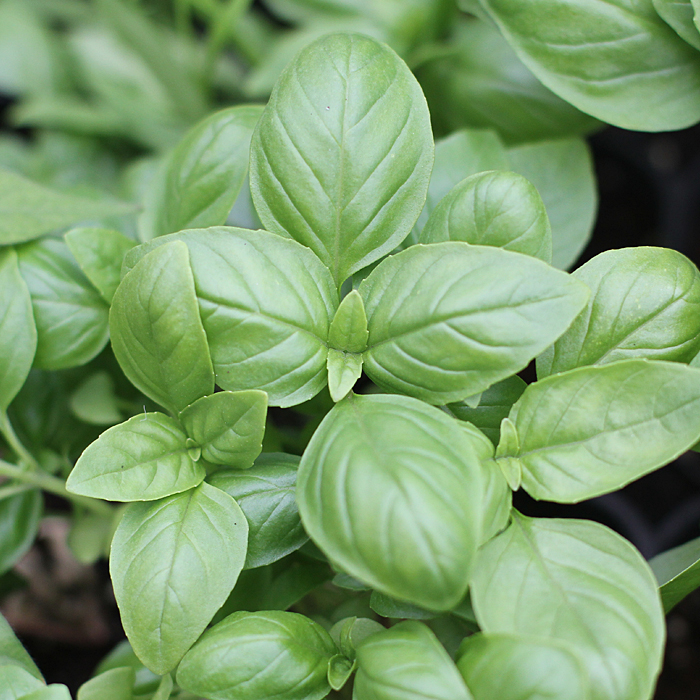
15, 443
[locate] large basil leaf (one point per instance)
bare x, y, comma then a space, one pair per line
173, 564
248, 656
17, 330
511, 667
271, 336
645, 302
341, 157
404, 663
391, 490
562, 172
265, 494
678, 14
71, 317
143, 459
592, 430
13, 653
678, 572
157, 334
19, 522
447, 321
495, 208
579, 582
205, 172
613, 59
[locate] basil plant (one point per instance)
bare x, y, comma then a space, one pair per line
395, 291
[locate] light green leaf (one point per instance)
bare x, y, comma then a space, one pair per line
173, 564
204, 174
341, 157
613, 59
116, 684
271, 336
578, 582
99, 252
404, 663
248, 656
15, 682
18, 335
348, 331
55, 691
678, 14
562, 172
90, 535
645, 302
678, 572
344, 369
340, 669
164, 689
29, 210
371, 451
19, 522
94, 401
476, 316
123, 655
143, 459
13, 653
592, 430
228, 426
71, 317
513, 667
350, 632
157, 334
265, 494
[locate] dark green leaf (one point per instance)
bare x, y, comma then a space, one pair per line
386, 606
13, 653
19, 522
678, 572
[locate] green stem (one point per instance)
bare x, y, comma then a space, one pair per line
52, 484
13, 490
221, 27
15, 443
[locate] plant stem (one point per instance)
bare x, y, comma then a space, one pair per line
15, 443
220, 28
13, 490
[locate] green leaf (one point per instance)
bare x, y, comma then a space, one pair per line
386, 606
370, 451
249, 656
71, 317
29, 210
477, 315
578, 582
205, 172
15, 682
678, 572
512, 667
157, 334
228, 426
350, 632
592, 430
678, 14
271, 336
494, 208
18, 335
265, 494
143, 459
562, 172
94, 401
406, 662
164, 689
645, 302
613, 59
173, 564
116, 684
344, 369
340, 669
123, 655
99, 252
341, 157
90, 535
19, 522
348, 331
13, 653
55, 691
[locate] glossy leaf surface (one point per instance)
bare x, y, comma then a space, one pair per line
370, 503
476, 315
678, 572
578, 582
341, 157
173, 564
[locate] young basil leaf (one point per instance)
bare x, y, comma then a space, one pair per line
29, 210
350, 632
370, 451
678, 572
115, 684
477, 315
578, 582
143, 459
249, 656
71, 317
344, 369
173, 564
494, 406
265, 494
495, 208
55, 691
228, 426
592, 430
562, 172
99, 252
13, 653
123, 655
157, 334
386, 606
19, 522
94, 401
341, 158
406, 662
205, 172
645, 302
513, 667
164, 689
90, 535
16, 682
637, 73
348, 331
18, 335
340, 668
271, 337
678, 14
